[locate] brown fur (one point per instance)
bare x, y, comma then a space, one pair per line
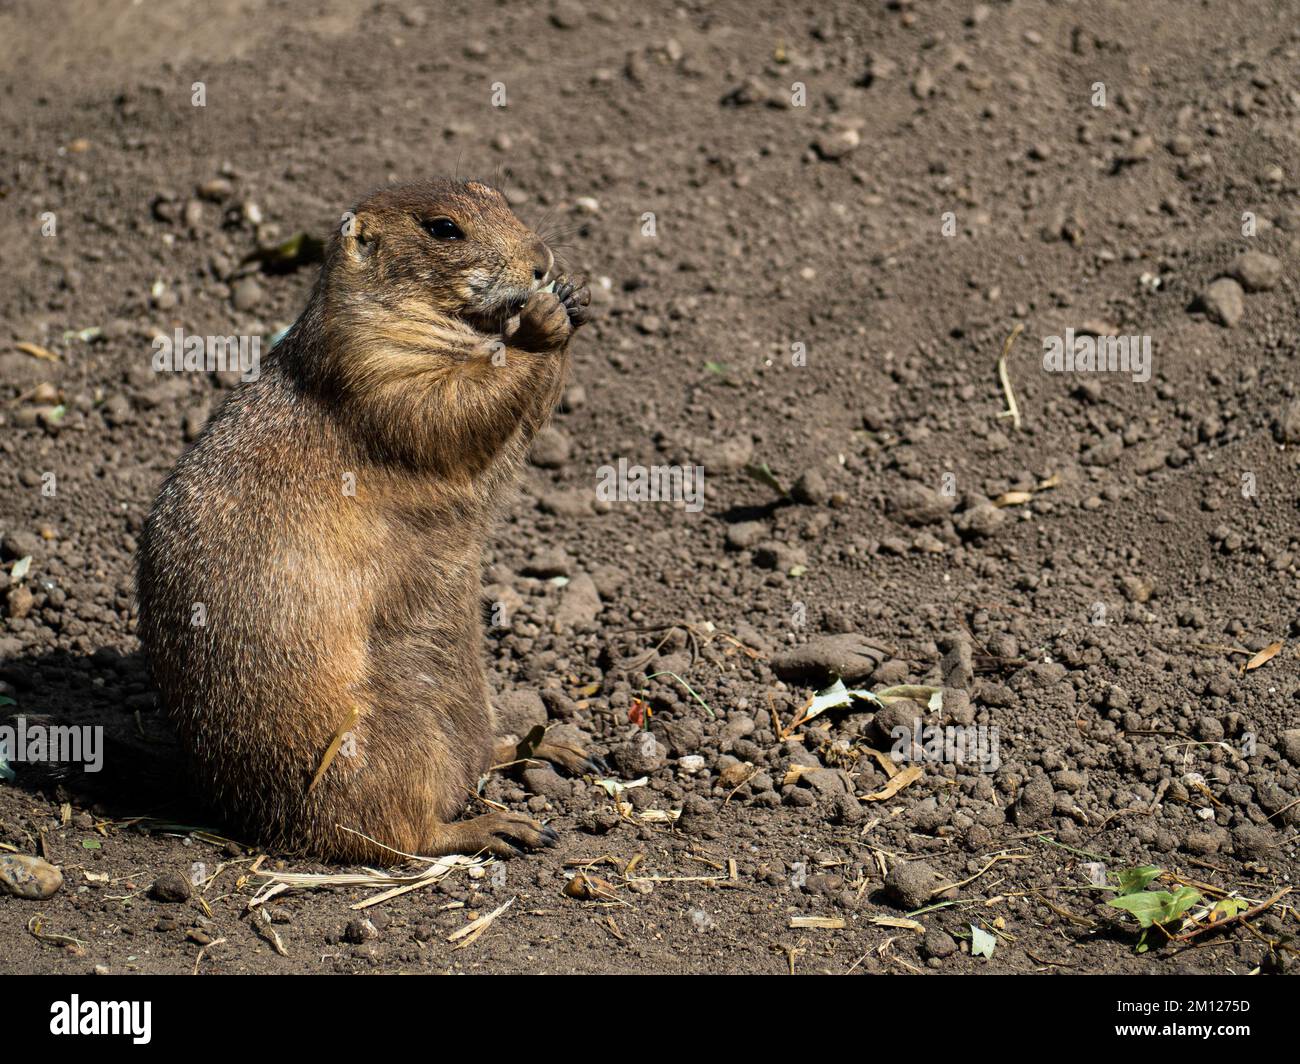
417, 375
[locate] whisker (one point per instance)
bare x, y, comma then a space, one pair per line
543, 226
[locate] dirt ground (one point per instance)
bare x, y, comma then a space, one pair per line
810, 230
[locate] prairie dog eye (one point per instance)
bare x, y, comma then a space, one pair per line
444, 229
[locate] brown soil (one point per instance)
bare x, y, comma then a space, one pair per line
1099, 627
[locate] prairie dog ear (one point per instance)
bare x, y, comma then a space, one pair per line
360, 236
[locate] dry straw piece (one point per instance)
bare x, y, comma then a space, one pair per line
474, 928
435, 871
1012, 411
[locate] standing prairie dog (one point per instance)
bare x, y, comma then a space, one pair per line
308, 578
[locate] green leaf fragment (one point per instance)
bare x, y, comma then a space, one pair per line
298, 250
1226, 908
764, 475
1152, 907
1135, 879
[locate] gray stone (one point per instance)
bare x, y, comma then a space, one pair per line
957, 666
360, 930
1205, 843
1252, 840
551, 448
810, 489
1035, 802
902, 714
519, 711
1256, 271
957, 707
547, 563
1291, 745
912, 884
746, 534
913, 504
779, 556
641, 755
738, 726
171, 887
579, 603
22, 544
827, 783
850, 657
576, 503
1289, 426
981, 521
683, 736
246, 293
938, 943
726, 456
28, 877
846, 809
834, 144
1224, 301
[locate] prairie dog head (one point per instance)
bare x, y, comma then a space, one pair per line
435, 250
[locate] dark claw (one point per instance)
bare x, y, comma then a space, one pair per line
549, 836
575, 297
596, 766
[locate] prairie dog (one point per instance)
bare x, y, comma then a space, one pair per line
308, 578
